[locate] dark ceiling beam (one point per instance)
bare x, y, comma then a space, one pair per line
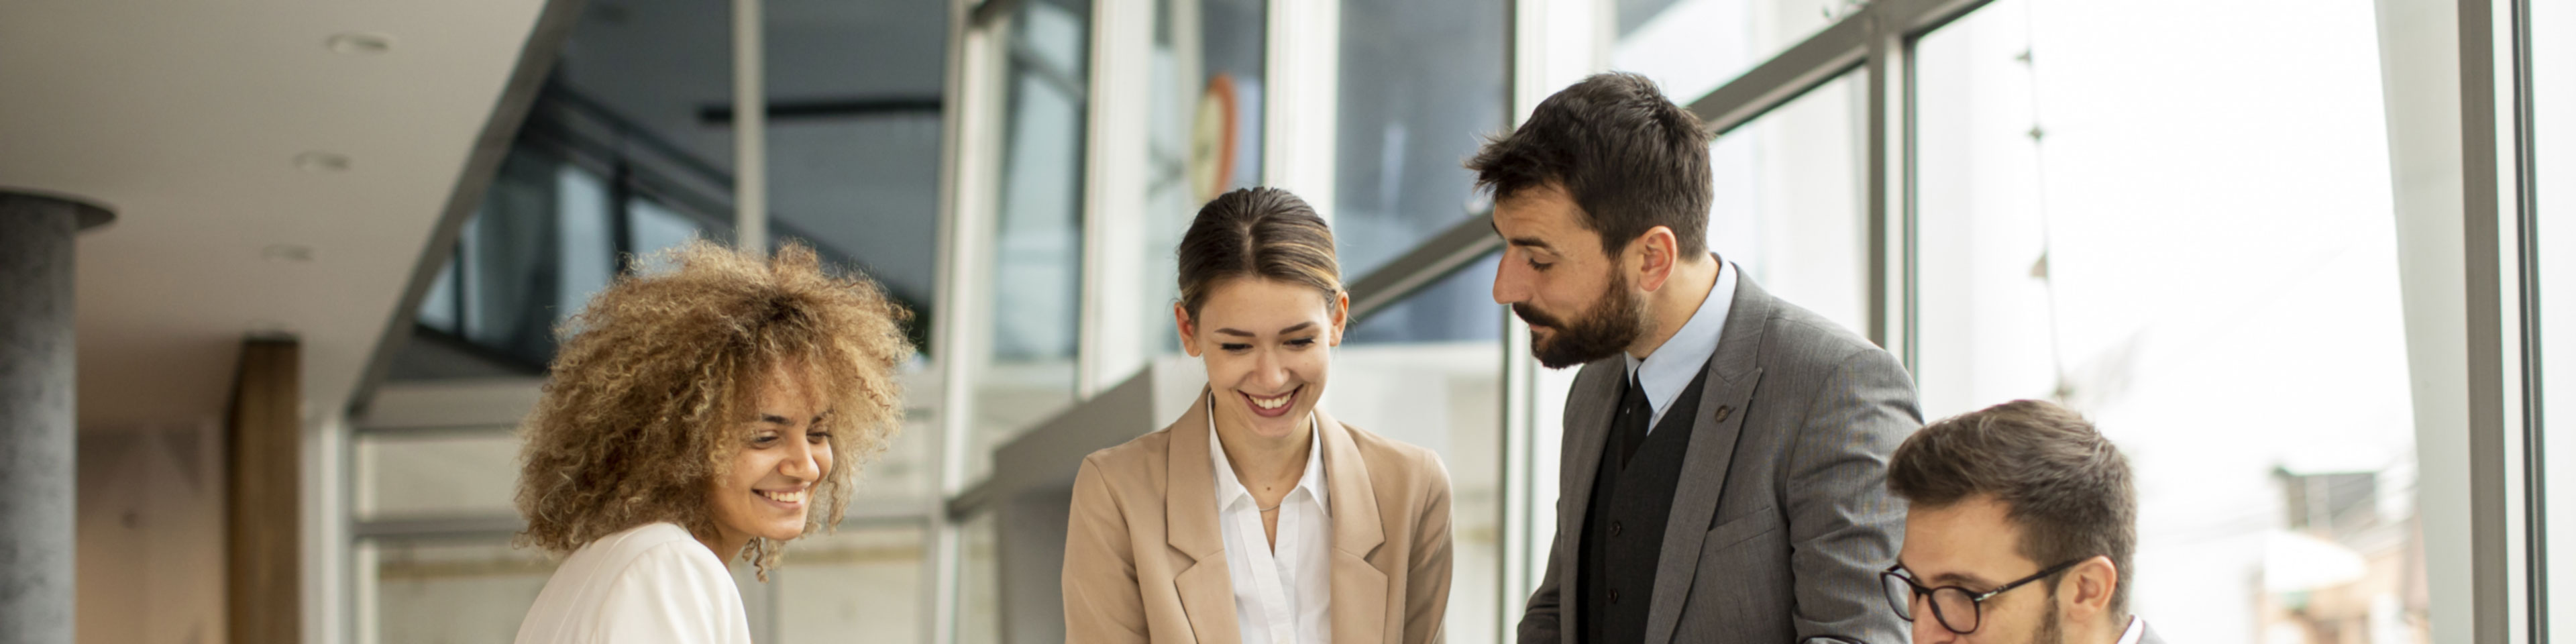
831, 108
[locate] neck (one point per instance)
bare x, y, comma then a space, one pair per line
1262, 462
725, 545
1671, 306
2107, 631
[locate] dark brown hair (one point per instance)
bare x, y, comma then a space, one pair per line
641, 405
2065, 485
1257, 232
1628, 157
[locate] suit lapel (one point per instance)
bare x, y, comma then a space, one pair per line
1359, 588
1733, 372
1189, 526
1587, 428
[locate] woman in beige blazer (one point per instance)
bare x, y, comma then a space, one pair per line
1257, 518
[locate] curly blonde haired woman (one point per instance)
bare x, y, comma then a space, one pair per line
694, 416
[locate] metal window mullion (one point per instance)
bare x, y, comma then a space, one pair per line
968, 121
2487, 168
2527, 240
750, 125
1886, 156
1114, 195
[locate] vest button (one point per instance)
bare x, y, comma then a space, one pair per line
1614, 595
1614, 528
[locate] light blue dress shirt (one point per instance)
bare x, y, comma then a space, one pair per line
1670, 369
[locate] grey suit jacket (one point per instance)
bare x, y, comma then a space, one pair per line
1781, 520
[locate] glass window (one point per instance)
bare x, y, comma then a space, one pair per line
851, 139
1421, 84
2193, 252
2553, 141
1205, 137
1028, 372
1445, 395
1789, 205
1692, 47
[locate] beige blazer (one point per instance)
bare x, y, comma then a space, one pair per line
1144, 560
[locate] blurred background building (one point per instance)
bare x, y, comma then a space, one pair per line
2298, 258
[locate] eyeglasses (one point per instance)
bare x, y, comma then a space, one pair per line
1956, 608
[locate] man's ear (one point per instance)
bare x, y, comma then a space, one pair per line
2085, 592
1655, 253
1189, 330
1341, 317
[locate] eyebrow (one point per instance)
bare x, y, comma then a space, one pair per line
775, 419
1532, 242
1301, 326
1959, 579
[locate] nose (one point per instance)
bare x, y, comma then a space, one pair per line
1268, 373
1510, 286
802, 464
1930, 631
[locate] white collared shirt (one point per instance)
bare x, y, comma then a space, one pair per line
1672, 367
1282, 595
2137, 629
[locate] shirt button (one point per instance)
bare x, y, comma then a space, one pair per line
1614, 528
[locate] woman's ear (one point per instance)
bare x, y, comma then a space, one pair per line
1189, 331
1341, 316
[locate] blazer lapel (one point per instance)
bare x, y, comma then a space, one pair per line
1189, 526
1733, 371
1587, 429
1359, 588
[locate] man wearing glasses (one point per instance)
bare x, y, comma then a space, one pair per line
2019, 529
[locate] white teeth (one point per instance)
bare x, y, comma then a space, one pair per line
1271, 403
784, 497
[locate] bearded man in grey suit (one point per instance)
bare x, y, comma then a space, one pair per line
1725, 451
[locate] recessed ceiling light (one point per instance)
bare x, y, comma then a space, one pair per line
359, 43
319, 161
296, 253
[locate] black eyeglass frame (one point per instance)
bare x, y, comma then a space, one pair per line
1976, 601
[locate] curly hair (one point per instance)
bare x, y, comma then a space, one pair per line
637, 416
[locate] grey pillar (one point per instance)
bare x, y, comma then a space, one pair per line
36, 474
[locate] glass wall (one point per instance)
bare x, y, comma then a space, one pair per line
2231, 319
1209, 61
1421, 84
1028, 371
1788, 202
1691, 47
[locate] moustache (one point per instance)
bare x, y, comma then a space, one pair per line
1534, 317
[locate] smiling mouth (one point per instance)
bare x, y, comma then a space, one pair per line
1272, 406
789, 498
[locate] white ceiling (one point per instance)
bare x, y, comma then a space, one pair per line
185, 118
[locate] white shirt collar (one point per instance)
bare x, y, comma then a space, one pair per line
2137, 629
1230, 490
1679, 361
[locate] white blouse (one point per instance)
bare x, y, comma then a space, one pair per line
653, 584
1282, 595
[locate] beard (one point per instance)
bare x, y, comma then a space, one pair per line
1614, 322
2050, 631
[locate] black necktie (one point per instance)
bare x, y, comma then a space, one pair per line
1628, 429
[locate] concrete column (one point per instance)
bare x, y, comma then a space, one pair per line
36, 432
